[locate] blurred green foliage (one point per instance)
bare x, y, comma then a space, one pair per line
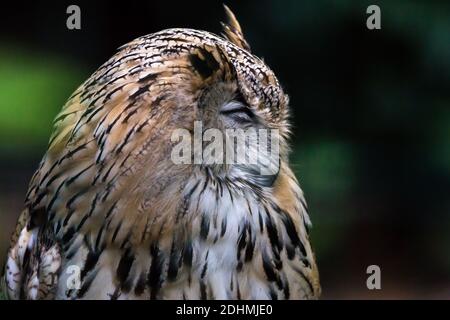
33, 87
326, 172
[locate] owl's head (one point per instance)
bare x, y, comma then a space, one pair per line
178, 80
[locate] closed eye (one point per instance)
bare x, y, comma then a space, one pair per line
238, 112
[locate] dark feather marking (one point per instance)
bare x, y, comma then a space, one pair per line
286, 290
89, 263
249, 207
99, 236
49, 182
223, 227
142, 125
205, 66
238, 290
155, 278
205, 266
70, 203
71, 153
292, 232
187, 254
74, 198
110, 93
85, 287
125, 240
204, 227
125, 159
273, 294
203, 295
175, 261
306, 263
277, 262
75, 177
242, 239
108, 189
219, 185
102, 138
93, 205
55, 196
205, 185
116, 294
68, 216
261, 224
148, 77
192, 190
145, 232
126, 140
116, 231
46, 175
123, 270
58, 226
100, 168
231, 194
156, 103
70, 251
38, 217
268, 268
100, 127
139, 91
290, 249
302, 249
111, 209
273, 232
250, 246
105, 176
300, 272
129, 115
140, 285
68, 235
90, 113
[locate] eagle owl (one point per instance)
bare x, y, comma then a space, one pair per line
108, 215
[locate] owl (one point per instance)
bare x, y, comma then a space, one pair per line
110, 215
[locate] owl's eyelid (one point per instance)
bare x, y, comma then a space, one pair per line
236, 107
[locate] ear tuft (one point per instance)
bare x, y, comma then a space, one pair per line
232, 30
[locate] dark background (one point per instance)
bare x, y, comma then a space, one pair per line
371, 112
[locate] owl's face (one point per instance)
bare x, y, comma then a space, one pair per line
237, 112
239, 102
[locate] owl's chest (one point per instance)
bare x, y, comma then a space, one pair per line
226, 233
